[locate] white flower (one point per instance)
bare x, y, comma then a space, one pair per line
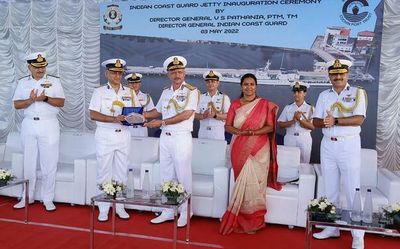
5, 175
112, 187
172, 188
396, 207
180, 189
322, 206
314, 202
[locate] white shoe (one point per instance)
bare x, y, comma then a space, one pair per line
122, 213
103, 216
21, 204
49, 206
358, 243
329, 232
163, 217
182, 221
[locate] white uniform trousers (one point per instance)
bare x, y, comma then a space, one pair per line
176, 161
341, 160
41, 137
138, 131
302, 140
212, 132
112, 149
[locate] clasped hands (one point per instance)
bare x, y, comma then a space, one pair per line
297, 116
209, 114
246, 132
33, 97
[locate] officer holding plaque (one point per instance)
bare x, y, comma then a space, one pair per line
177, 105
112, 137
212, 109
134, 83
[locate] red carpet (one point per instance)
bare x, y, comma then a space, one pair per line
67, 228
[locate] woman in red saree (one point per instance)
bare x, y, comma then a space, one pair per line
251, 120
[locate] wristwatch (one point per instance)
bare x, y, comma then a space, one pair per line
46, 99
336, 121
215, 115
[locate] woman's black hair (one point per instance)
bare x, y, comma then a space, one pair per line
247, 75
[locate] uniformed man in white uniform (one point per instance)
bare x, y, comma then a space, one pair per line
212, 109
340, 111
177, 105
296, 118
134, 83
112, 138
40, 96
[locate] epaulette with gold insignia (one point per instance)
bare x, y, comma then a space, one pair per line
24, 77
54, 76
190, 87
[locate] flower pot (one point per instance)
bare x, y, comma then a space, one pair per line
321, 216
169, 199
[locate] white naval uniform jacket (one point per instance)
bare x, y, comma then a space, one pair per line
348, 99
212, 128
173, 102
288, 114
52, 87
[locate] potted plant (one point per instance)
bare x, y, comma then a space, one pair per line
172, 191
112, 188
5, 176
392, 213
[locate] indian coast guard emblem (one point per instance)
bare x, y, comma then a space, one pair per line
112, 18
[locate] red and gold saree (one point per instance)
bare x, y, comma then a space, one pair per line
254, 165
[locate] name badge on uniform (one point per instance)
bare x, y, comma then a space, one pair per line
181, 98
46, 84
126, 98
349, 99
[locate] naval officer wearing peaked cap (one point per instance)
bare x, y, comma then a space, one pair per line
112, 138
40, 96
212, 109
296, 118
340, 112
177, 105
134, 83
